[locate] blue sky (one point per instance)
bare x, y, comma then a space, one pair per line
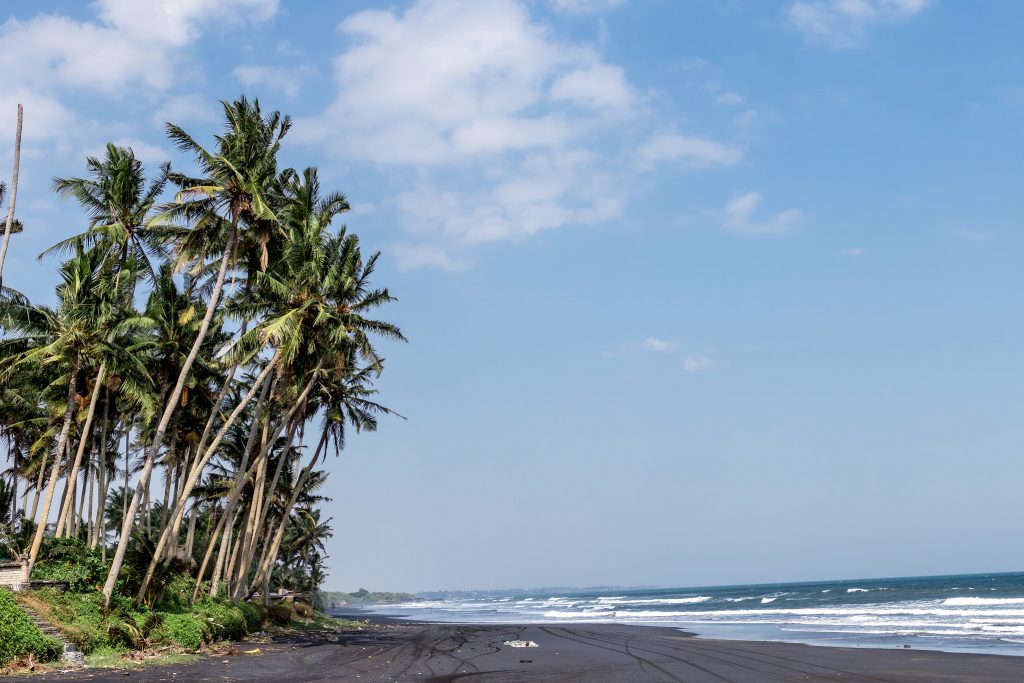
697, 293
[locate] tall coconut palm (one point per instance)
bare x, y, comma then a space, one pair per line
232, 192
119, 204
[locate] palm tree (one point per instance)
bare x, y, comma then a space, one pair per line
58, 337
118, 202
233, 191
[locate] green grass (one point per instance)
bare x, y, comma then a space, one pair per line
119, 658
20, 636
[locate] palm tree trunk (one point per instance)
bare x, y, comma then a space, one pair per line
12, 454
101, 482
271, 557
165, 419
190, 537
81, 493
225, 546
127, 458
233, 500
87, 519
86, 430
211, 544
39, 486
14, 196
263, 504
197, 469
69, 414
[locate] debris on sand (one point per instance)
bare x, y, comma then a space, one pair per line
521, 643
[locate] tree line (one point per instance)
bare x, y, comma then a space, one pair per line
217, 327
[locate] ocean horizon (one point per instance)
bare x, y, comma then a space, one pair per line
980, 613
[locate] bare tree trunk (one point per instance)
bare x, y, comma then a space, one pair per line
14, 196
62, 439
86, 430
165, 419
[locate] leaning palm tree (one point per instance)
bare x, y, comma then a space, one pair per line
232, 193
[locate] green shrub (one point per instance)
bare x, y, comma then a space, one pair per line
253, 618
178, 592
71, 560
187, 630
20, 636
225, 619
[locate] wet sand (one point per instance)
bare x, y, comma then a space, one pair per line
580, 653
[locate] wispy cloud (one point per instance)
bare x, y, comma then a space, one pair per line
411, 256
843, 24
585, 6
697, 152
739, 217
286, 80
695, 364
659, 345
853, 252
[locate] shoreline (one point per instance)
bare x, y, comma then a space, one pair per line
390, 650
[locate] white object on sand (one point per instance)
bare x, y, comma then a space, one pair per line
521, 643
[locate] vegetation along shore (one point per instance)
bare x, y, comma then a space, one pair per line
166, 418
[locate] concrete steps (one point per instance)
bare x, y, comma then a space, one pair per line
71, 654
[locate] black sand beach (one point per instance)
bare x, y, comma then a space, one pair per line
585, 653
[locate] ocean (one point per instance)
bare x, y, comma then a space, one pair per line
965, 613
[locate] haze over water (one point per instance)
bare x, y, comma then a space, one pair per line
961, 613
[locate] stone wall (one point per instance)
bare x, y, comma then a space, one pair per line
12, 575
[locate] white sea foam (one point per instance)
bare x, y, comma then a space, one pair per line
655, 601
765, 601
857, 590
982, 602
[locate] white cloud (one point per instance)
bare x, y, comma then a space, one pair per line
285, 80
412, 256
602, 87
415, 87
498, 129
45, 118
843, 24
585, 6
695, 364
185, 109
729, 98
739, 217
853, 252
130, 43
659, 345
695, 151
